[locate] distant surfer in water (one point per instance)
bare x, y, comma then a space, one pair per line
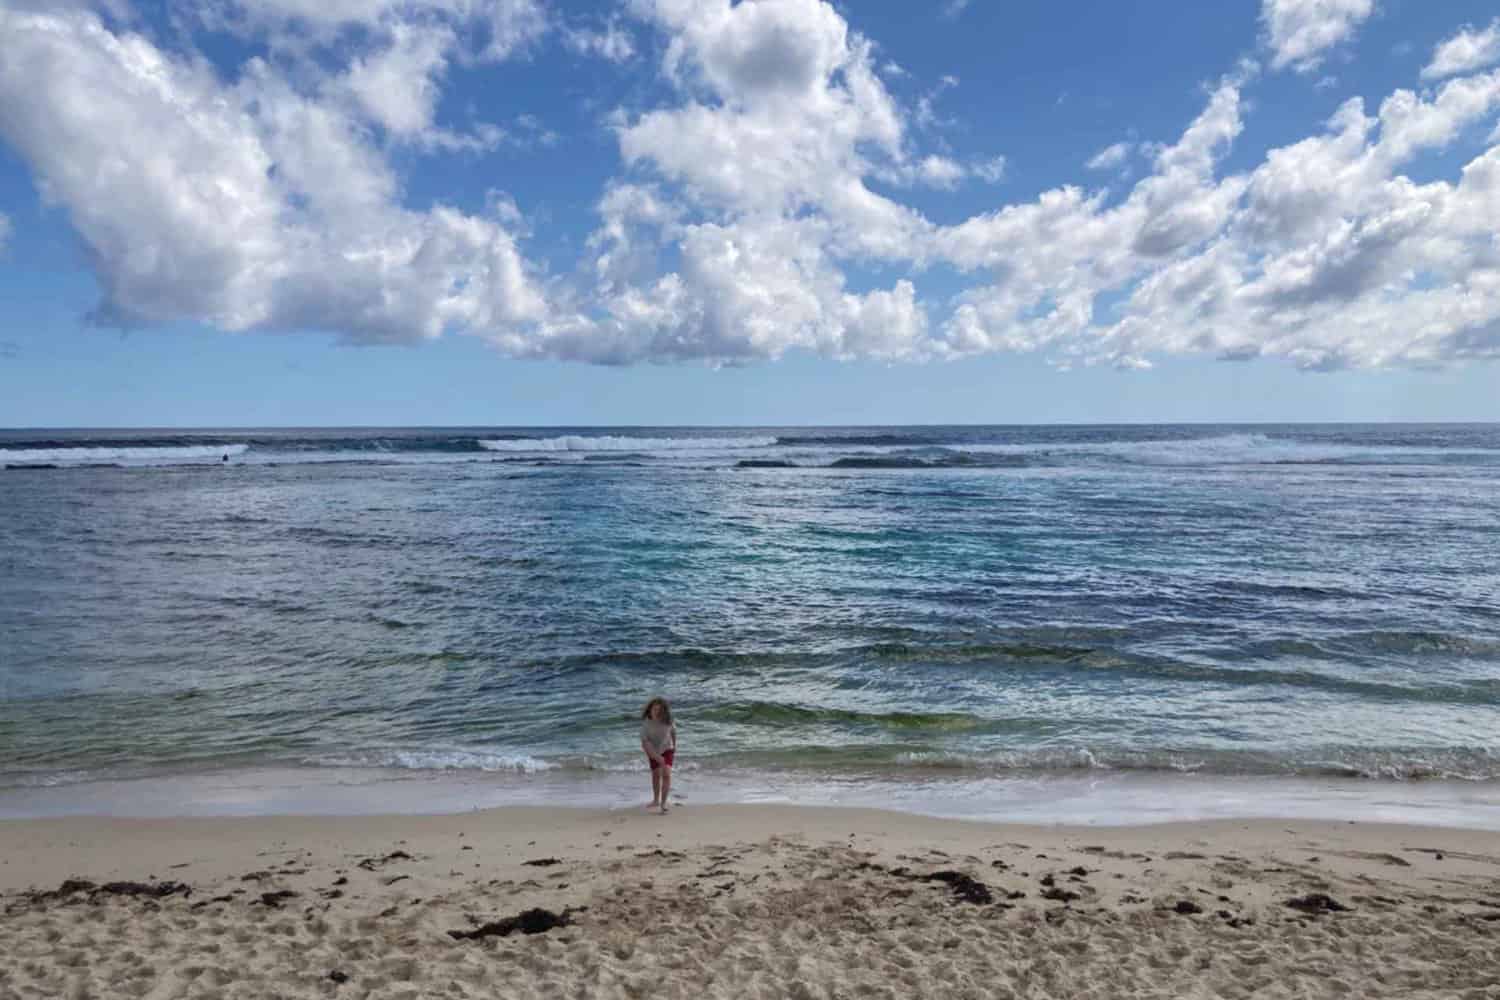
659, 740
226, 456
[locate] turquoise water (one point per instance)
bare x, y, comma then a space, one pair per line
899, 605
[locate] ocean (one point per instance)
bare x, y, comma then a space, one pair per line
1088, 623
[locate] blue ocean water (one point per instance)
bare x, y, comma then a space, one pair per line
893, 605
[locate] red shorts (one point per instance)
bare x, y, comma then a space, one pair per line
666, 755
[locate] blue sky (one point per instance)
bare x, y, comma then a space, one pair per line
772, 211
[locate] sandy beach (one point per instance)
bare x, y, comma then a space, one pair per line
742, 901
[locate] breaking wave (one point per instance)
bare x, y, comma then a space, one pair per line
63, 457
607, 442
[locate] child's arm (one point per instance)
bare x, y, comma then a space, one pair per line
674, 736
655, 758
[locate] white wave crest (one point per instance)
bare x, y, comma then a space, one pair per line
606, 442
1227, 449
1221, 449
628, 763
438, 760
120, 456
52, 779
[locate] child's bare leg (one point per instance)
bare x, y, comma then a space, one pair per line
656, 797
666, 785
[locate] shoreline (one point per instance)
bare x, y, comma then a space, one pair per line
1100, 798
730, 901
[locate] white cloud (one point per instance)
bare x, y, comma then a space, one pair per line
398, 53
1111, 156
1325, 254
117, 9
5, 228
1469, 50
1336, 259
1050, 259
753, 214
940, 172
991, 171
781, 118
613, 43
793, 115
926, 115
755, 53
953, 8
398, 87
493, 29
1300, 32
248, 206
741, 292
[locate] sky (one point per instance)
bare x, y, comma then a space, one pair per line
518, 212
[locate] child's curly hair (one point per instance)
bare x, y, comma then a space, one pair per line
666, 710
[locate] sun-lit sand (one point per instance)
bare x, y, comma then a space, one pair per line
740, 901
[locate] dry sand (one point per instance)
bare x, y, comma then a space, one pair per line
740, 901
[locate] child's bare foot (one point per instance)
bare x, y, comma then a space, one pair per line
653, 806
664, 809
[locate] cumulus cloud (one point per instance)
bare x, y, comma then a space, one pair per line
1465, 52
398, 87
397, 84
399, 52
1300, 32
763, 199
1050, 259
939, 171
781, 120
248, 205
1335, 258
1325, 253
743, 292
768, 155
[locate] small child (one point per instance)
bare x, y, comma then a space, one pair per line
659, 740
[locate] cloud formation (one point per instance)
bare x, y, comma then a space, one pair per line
1469, 50
1111, 156
765, 160
612, 42
764, 201
248, 205
1300, 32
490, 29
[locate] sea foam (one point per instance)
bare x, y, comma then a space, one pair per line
580, 442
119, 456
